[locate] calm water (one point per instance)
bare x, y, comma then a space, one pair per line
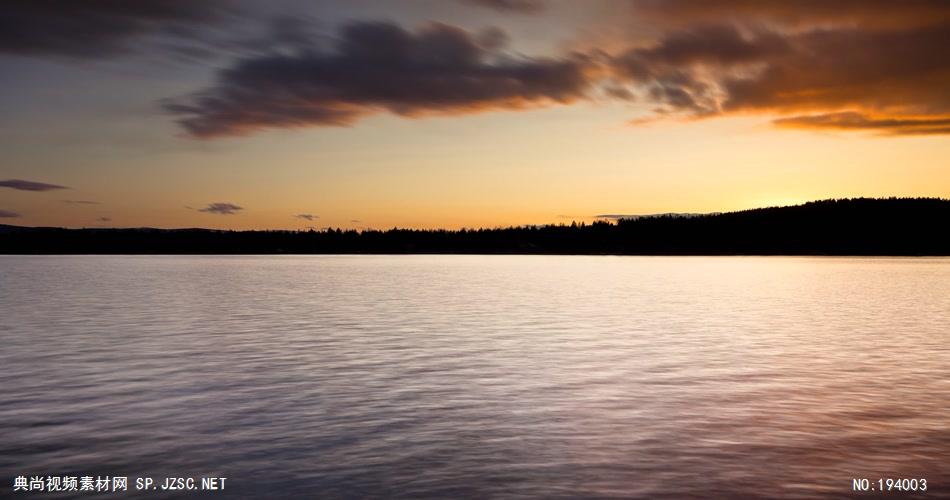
478, 376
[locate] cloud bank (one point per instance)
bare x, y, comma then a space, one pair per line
875, 66
878, 66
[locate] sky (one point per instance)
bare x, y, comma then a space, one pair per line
293, 114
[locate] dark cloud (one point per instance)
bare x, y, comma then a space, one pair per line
839, 67
307, 216
376, 67
23, 185
221, 208
6, 214
519, 6
80, 202
104, 219
95, 28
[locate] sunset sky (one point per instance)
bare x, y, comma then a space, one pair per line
461, 113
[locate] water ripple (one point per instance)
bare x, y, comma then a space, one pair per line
479, 376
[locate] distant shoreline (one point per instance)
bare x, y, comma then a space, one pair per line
860, 227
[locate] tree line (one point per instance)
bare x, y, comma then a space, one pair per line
858, 226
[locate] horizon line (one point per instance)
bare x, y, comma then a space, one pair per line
602, 219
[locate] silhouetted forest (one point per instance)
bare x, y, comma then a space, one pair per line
861, 226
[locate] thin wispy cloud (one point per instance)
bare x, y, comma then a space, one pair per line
22, 185
221, 208
80, 202
858, 121
516, 6
309, 217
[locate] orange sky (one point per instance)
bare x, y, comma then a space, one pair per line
454, 114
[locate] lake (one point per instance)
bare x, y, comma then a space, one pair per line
478, 376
